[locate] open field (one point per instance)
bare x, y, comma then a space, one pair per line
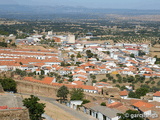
137, 85
135, 17
155, 50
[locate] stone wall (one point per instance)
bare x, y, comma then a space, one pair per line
21, 114
36, 88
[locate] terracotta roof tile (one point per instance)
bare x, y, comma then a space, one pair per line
114, 105
157, 94
143, 104
123, 93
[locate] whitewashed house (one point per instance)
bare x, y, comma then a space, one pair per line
123, 94
156, 96
74, 104
3, 68
104, 113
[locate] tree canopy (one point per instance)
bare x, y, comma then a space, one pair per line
21, 72
130, 115
8, 84
79, 55
77, 94
36, 109
139, 92
63, 92
89, 53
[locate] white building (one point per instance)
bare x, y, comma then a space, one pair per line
124, 94
50, 33
104, 113
156, 96
150, 60
71, 38
74, 103
3, 68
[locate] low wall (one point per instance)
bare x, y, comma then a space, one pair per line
21, 114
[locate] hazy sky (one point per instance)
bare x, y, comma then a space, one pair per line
126, 4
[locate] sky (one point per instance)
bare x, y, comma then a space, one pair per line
118, 4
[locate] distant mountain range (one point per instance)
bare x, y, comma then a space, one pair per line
26, 12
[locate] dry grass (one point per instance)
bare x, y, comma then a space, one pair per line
33, 47
53, 111
57, 113
96, 41
155, 50
136, 17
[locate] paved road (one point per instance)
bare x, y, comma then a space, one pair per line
76, 114
46, 117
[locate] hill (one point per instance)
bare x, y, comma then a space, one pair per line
54, 12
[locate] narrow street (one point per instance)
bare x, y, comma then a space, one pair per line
77, 114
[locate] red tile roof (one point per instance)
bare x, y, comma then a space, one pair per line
3, 107
123, 93
78, 82
157, 94
142, 104
48, 80
114, 105
132, 49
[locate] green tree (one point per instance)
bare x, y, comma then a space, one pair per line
108, 75
92, 76
31, 74
132, 95
8, 84
123, 87
43, 36
110, 78
41, 76
154, 89
62, 92
3, 44
85, 101
35, 108
141, 53
103, 80
94, 81
63, 64
72, 56
118, 75
130, 79
153, 82
103, 104
20, 72
117, 85
79, 55
108, 52
89, 54
158, 83
42, 72
51, 74
130, 115
141, 91
132, 55
77, 94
